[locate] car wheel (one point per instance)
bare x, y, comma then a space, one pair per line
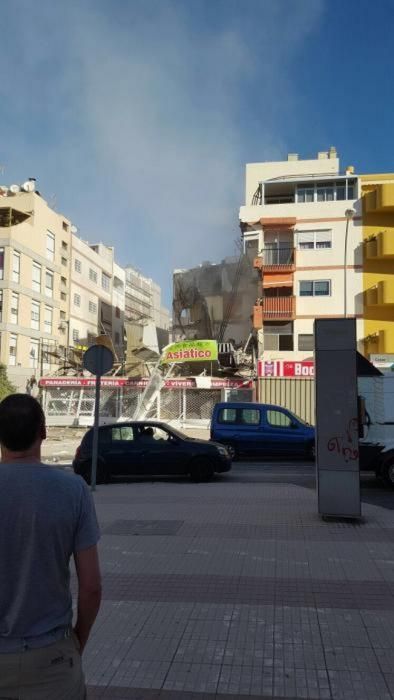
201, 470
232, 450
102, 475
387, 470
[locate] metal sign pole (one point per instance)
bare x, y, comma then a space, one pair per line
95, 433
98, 360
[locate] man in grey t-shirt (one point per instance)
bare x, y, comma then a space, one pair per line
46, 516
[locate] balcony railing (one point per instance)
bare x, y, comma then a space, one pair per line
276, 260
277, 308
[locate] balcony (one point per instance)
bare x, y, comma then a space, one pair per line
381, 247
381, 294
276, 260
274, 309
381, 199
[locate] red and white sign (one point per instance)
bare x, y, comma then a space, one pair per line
117, 382
285, 368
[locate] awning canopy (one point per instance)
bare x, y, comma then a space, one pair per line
277, 280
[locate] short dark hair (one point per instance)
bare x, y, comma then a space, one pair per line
21, 419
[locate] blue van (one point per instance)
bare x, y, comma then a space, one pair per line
261, 429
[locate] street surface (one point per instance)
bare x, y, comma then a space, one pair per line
236, 588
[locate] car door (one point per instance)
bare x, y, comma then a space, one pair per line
283, 434
164, 453
249, 434
124, 453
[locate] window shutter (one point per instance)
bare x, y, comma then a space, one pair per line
306, 239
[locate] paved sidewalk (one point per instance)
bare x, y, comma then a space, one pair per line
234, 590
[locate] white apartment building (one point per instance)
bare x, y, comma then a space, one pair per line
97, 296
143, 299
34, 282
302, 221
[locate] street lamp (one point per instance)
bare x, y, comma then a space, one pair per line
349, 214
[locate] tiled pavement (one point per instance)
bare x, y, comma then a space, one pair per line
236, 590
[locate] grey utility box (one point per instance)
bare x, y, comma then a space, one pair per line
337, 451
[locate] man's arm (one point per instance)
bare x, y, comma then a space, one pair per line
89, 592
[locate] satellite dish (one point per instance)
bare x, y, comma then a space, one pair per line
29, 186
15, 189
73, 229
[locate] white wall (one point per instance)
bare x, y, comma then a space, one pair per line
258, 172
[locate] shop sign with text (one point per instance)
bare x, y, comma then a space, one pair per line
190, 351
286, 368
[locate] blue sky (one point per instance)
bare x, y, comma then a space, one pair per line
137, 117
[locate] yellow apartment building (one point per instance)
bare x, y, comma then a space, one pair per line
377, 193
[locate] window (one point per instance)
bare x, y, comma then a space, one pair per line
35, 315
77, 300
48, 283
311, 240
50, 246
75, 335
62, 315
48, 314
105, 282
36, 278
14, 307
250, 416
33, 354
305, 194
63, 296
63, 281
315, 288
93, 275
117, 312
306, 341
278, 419
92, 307
117, 338
1, 263
1, 305
64, 261
12, 349
65, 226
227, 415
77, 265
277, 341
64, 246
325, 192
16, 266
124, 433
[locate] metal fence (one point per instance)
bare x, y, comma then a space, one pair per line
294, 393
185, 407
75, 406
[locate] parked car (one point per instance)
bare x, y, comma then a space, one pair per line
262, 430
141, 448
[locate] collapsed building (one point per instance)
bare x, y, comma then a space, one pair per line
212, 301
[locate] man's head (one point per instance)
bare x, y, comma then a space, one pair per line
22, 425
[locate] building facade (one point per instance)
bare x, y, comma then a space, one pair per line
377, 193
302, 220
35, 245
58, 292
143, 299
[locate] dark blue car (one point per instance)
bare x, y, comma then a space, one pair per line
261, 430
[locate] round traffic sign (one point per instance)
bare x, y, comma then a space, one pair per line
98, 360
